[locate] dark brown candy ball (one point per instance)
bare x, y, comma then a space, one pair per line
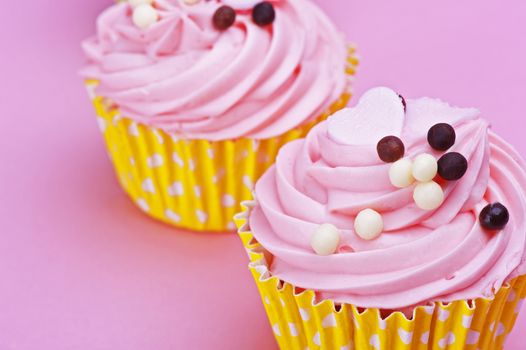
403, 102
441, 136
263, 14
452, 166
494, 217
224, 17
390, 149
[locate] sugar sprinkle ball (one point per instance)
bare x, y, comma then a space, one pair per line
368, 224
494, 217
263, 14
428, 195
452, 166
390, 149
144, 15
224, 17
441, 137
325, 240
425, 167
401, 173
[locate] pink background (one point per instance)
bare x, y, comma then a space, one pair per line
82, 268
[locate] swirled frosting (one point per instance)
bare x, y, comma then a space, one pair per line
421, 256
183, 76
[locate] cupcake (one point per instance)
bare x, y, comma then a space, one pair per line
396, 224
195, 98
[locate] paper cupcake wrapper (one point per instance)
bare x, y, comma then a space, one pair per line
192, 184
300, 322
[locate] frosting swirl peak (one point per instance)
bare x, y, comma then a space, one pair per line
184, 76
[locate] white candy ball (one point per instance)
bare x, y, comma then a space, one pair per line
325, 240
428, 195
425, 167
401, 173
368, 224
144, 16
135, 3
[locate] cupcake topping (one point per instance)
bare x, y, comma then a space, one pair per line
441, 137
428, 195
135, 3
379, 112
425, 167
269, 83
403, 102
419, 230
368, 224
452, 166
144, 15
401, 173
224, 17
390, 149
325, 240
263, 14
494, 217
241, 4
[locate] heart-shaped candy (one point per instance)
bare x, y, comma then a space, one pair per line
241, 4
379, 113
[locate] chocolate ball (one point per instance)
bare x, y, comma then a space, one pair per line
403, 101
494, 217
441, 136
390, 149
224, 17
452, 166
263, 14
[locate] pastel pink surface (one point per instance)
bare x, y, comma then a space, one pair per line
81, 268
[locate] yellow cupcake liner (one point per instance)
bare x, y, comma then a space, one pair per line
299, 321
192, 184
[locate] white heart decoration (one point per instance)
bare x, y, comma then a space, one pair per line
241, 4
379, 113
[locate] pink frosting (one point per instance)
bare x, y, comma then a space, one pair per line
422, 256
183, 76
